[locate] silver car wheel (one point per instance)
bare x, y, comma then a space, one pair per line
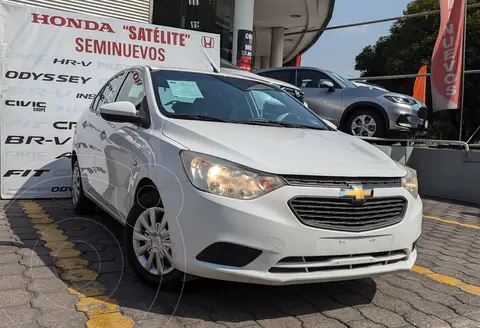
76, 184
364, 125
151, 242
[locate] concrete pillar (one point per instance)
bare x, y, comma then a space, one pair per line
265, 61
276, 50
257, 62
242, 20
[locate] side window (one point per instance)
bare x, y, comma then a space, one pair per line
310, 78
107, 95
286, 75
132, 89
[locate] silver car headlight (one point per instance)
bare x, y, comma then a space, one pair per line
223, 178
410, 181
400, 100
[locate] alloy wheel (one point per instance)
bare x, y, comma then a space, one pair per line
364, 126
151, 242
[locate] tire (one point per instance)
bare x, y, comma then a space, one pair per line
363, 114
80, 203
150, 201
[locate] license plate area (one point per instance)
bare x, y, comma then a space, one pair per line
354, 245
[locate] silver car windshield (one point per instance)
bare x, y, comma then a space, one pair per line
216, 97
343, 81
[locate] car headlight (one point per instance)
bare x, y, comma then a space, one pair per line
410, 181
400, 100
223, 178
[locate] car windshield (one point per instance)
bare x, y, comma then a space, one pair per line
343, 81
215, 97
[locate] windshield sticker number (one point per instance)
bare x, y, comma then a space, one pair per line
185, 89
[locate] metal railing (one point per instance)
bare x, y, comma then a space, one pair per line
403, 76
423, 141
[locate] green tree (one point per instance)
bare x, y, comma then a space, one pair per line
410, 45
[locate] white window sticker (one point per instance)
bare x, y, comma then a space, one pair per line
185, 89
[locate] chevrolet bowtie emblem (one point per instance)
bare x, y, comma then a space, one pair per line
357, 193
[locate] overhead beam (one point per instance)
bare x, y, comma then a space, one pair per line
422, 14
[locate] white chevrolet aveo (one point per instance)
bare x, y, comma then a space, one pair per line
220, 176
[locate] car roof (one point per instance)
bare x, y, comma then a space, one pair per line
241, 74
225, 64
285, 68
237, 72
238, 76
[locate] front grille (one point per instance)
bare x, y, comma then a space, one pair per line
305, 264
341, 182
341, 214
422, 113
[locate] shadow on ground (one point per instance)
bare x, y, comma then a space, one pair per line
100, 240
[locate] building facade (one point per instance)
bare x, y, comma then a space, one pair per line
254, 33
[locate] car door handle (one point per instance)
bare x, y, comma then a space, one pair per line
134, 162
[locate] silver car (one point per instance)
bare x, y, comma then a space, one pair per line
297, 93
359, 111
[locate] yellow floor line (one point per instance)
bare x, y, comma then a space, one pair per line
470, 289
466, 225
101, 311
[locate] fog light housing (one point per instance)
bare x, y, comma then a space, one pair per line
404, 120
414, 245
228, 254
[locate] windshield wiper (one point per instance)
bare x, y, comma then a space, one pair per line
199, 117
278, 123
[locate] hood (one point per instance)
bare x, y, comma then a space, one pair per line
284, 150
355, 95
372, 92
369, 86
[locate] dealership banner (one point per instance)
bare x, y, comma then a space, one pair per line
52, 63
244, 49
447, 58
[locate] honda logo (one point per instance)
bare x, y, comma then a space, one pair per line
208, 42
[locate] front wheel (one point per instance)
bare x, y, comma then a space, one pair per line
148, 243
365, 123
80, 203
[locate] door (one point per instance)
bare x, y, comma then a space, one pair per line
87, 145
97, 130
326, 102
122, 147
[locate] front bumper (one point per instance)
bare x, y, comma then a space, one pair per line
268, 225
406, 119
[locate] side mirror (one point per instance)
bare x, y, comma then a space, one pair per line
121, 112
326, 84
330, 124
